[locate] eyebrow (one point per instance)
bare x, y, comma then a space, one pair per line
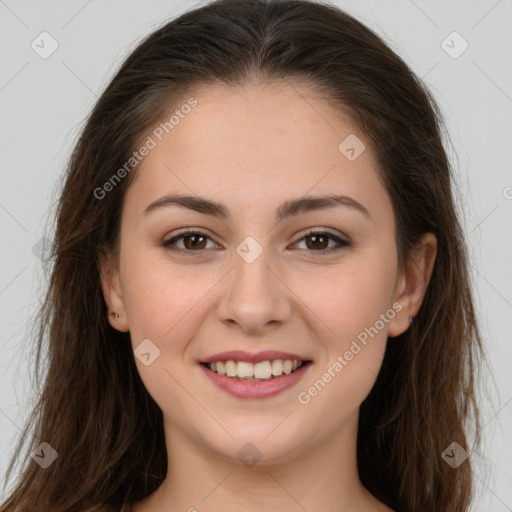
289, 208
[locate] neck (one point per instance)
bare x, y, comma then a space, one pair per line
319, 478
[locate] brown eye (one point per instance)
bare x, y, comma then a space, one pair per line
318, 241
196, 242
193, 241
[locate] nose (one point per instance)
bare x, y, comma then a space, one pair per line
255, 299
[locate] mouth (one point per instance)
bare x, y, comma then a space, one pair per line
255, 372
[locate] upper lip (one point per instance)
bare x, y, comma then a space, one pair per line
253, 357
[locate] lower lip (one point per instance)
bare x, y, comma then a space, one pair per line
256, 389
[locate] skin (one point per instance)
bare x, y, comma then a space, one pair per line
252, 148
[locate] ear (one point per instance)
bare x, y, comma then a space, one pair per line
113, 293
412, 283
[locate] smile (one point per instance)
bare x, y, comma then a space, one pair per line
240, 379
255, 372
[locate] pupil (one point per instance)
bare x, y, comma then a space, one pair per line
190, 237
316, 238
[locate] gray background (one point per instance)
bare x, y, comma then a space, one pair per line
44, 102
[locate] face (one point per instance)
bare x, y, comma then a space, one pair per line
317, 282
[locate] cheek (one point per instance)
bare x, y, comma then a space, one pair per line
159, 298
348, 298
165, 306
353, 303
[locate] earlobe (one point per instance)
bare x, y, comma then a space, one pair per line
113, 294
413, 282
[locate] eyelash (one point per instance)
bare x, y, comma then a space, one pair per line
342, 243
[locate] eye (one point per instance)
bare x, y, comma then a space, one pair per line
319, 241
194, 241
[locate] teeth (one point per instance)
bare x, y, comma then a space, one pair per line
231, 368
277, 367
262, 370
244, 369
265, 370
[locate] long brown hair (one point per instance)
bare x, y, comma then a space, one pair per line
93, 408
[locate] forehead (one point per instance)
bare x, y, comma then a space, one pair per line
278, 123
258, 143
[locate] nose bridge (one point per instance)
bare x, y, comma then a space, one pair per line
252, 279
254, 297
252, 262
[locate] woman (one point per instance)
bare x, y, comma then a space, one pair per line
260, 293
